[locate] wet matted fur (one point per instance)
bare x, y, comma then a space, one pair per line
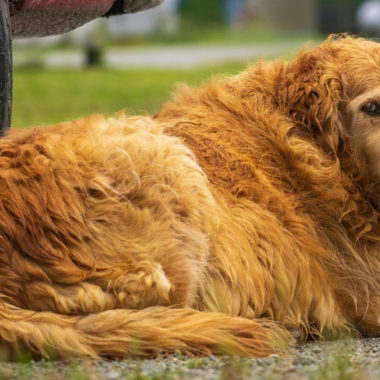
246, 213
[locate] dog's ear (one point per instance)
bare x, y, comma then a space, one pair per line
313, 94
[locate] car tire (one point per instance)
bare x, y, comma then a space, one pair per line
5, 68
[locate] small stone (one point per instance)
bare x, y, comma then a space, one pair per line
305, 360
113, 375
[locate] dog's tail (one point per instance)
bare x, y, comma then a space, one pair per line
119, 333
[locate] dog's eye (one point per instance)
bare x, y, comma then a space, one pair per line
371, 109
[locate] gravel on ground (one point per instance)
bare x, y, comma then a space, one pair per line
345, 359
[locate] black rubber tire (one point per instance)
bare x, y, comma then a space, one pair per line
5, 68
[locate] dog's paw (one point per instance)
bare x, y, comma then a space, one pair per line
147, 286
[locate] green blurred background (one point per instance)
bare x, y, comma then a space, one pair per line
49, 88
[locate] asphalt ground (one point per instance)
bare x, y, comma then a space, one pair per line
165, 57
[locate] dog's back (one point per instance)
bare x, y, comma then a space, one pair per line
231, 219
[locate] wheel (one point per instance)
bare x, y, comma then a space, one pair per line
5, 68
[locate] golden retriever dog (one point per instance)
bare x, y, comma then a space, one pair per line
243, 217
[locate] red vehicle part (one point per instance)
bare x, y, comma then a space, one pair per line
46, 17
37, 18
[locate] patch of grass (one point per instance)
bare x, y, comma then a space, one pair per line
235, 368
45, 96
341, 365
24, 371
137, 373
76, 371
196, 363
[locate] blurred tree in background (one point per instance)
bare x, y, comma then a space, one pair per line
212, 12
201, 13
326, 16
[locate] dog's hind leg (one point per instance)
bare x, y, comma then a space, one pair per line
139, 287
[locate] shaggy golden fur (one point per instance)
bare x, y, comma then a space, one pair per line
244, 215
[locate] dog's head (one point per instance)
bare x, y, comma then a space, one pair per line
333, 94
